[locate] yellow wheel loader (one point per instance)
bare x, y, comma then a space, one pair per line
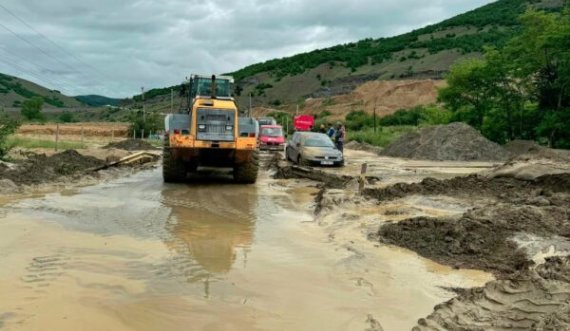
209, 133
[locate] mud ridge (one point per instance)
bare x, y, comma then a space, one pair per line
481, 238
501, 188
131, 145
532, 300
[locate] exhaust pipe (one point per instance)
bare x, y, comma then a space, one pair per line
213, 87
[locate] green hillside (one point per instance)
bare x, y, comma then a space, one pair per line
98, 100
14, 91
424, 53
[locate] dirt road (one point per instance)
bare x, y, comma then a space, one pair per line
136, 254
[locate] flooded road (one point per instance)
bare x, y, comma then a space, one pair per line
136, 254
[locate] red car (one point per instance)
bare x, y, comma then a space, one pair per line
271, 138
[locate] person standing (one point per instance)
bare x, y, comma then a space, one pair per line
340, 136
322, 129
331, 132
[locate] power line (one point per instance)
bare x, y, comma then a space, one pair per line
38, 70
54, 43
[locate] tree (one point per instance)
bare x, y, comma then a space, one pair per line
7, 127
31, 108
66, 117
468, 91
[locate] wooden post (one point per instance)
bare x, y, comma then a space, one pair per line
142, 134
362, 178
134, 133
56, 136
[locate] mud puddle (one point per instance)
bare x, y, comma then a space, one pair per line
135, 254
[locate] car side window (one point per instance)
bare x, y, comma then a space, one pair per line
295, 138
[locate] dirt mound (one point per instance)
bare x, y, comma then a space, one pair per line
131, 145
481, 238
355, 145
40, 168
532, 300
524, 150
453, 142
500, 188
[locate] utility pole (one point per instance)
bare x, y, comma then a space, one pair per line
375, 114
250, 110
143, 108
171, 101
297, 111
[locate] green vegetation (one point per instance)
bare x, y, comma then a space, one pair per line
15, 141
421, 115
146, 123
7, 127
98, 100
521, 91
66, 117
382, 137
8, 84
499, 17
32, 109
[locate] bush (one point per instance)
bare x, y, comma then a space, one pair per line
382, 137
66, 117
7, 127
31, 109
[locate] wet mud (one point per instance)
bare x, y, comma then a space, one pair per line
532, 300
39, 168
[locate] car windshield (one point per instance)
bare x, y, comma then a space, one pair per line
272, 132
317, 141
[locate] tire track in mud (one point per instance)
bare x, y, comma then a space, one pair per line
534, 300
42, 271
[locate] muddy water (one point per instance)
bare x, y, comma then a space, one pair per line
135, 254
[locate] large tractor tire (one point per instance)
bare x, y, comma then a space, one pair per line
246, 173
173, 170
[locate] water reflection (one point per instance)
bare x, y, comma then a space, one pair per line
211, 223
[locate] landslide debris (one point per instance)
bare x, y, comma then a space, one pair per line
531, 300
481, 238
39, 168
131, 145
500, 188
452, 142
357, 146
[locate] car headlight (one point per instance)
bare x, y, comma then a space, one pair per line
201, 127
229, 128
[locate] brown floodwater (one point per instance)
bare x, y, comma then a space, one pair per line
137, 254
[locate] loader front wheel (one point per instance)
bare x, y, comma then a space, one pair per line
246, 173
173, 170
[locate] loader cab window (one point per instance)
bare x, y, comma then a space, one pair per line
203, 87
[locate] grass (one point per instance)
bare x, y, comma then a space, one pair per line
383, 137
14, 141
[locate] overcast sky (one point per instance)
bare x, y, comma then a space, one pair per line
114, 47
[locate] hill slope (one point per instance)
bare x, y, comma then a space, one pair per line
98, 100
424, 53
14, 91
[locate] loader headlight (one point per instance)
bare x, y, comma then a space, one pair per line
201, 127
229, 128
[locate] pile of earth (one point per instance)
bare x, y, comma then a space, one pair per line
528, 149
506, 189
358, 146
537, 299
131, 145
482, 238
452, 142
39, 168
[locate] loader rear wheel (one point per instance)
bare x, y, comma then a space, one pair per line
246, 173
173, 170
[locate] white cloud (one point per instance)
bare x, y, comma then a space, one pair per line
152, 43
